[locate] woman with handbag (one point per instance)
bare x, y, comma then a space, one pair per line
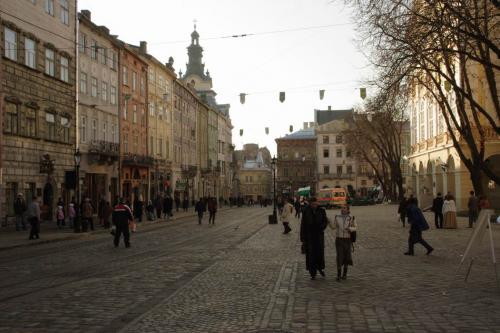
344, 226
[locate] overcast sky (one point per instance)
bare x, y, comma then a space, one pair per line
299, 62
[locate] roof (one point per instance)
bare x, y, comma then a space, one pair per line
324, 116
303, 134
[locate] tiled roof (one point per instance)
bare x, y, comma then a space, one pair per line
302, 134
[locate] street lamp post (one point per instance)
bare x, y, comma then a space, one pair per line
76, 223
274, 218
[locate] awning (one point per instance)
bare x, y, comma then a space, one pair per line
304, 191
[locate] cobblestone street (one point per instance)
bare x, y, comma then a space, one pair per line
244, 275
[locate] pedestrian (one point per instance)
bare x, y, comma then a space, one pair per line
212, 209
484, 203
100, 211
312, 226
87, 215
200, 209
177, 203
20, 211
71, 215
343, 224
167, 207
417, 225
150, 211
449, 212
285, 214
122, 216
33, 216
402, 210
138, 209
108, 210
473, 205
297, 208
158, 206
60, 217
185, 204
437, 208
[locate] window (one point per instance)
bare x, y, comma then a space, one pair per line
49, 7
65, 129
30, 122
134, 80
326, 153
348, 153
134, 113
104, 130
363, 182
83, 82
125, 108
338, 139
83, 134
11, 121
64, 11
50, 121
339, 170
93, 132
113, 133
349, 169
326, 139
143, 116
285, 172
326, 169
93, 87
135, 144
125, 144
104, 89
125, 75
151, 145
104, 56
151, 75
152, 109
113, 60
339, 152
113, 95
64, 69
143, 86
10, 44
421, 122
160, 147
83, 43
49, 62
430, 120
93, 49
29, 52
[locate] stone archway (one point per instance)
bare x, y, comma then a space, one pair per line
439, 174
450, 177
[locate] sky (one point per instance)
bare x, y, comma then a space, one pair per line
297, 46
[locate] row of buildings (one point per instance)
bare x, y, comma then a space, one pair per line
75, 99
317, 156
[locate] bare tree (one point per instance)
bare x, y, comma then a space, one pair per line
446, 47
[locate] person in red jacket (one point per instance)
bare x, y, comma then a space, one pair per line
122, 215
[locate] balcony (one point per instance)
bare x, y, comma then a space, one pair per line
103, 152
137, 160
189, 171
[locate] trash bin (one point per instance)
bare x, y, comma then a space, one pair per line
272, 219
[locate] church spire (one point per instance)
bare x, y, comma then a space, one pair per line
195, 66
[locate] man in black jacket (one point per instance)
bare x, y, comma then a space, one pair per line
121, 217
437, 208
20, 209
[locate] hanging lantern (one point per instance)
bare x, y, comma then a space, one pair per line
362, 93
267, 130
321, 94
282, 96
241, 132
242, 98
291, 128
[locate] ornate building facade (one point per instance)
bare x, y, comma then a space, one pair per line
37, 102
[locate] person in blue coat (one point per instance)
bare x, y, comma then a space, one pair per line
417, 225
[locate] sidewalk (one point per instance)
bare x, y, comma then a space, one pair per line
10, 238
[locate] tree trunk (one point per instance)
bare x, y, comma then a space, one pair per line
476, 177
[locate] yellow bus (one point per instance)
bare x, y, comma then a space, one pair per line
332, 197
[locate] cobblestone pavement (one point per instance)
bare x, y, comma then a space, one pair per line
243, 275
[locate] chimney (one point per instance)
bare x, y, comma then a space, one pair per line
143, 47
305, 124
329, 108
87, 14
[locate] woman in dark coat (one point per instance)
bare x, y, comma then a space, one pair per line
138, 207
312, 226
